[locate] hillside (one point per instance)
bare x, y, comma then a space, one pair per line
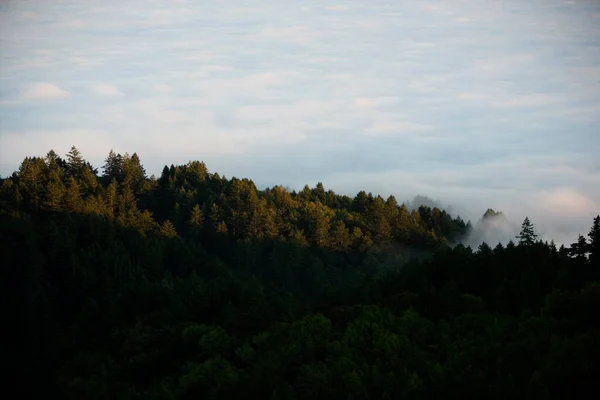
192, 285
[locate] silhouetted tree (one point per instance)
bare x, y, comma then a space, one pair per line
594, 244
527, 236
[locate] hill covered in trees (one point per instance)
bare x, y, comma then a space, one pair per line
193, 285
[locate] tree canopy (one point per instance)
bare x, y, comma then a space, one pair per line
192, 285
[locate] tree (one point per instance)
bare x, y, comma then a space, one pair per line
196, 218
403, 224
113, 167
134, 174
75, 163
361, 201
222, 227
55, 191
579, 249
527, 235
594, 244
55, 163
340, 237
111, 197
167, 229
72, 197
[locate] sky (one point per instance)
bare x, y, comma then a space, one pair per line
474, 103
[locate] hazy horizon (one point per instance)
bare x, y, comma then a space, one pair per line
477, 104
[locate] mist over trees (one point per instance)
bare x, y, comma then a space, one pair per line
493, 227
193, 285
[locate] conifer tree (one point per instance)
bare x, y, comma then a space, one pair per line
579, 249
167, 229
593, 246
196, 220
527, 236
113, 167
75, 163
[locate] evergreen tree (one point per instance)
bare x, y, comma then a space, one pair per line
134, 174
196, 220
75, 163
340, 237
527, 236
222, 227
125, 308
72, 199
167, 229
111, 197
579, 249
594, 243
55, 191
55, 163
113, 167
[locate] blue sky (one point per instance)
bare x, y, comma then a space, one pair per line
476, 103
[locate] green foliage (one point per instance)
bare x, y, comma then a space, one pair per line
196, 286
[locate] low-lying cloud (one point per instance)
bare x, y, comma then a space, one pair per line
43, 91
479, 105
105, 89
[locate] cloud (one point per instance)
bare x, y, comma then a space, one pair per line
530, 100
44, 91
297, 34
105, 89
374, 102
567, 201
394, 126
468, 96
479, 105
163, 88
94, 144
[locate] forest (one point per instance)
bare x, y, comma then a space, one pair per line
192, 285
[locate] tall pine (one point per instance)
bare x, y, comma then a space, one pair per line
527, 236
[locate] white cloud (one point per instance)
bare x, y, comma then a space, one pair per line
530, 100
469, 96
296, 34
440, 90
105, 89
293, 113
44, 91
163, 88
94, 144
394, 126
374, 102
337, 7
567, 202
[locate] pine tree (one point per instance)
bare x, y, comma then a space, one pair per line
527, 236
340, 236
111, 197
75, 163
167, 229
222, 227
594, 244
72, 199
134, 174
196, 220
579, 249
113, 167
55, 163
55, 191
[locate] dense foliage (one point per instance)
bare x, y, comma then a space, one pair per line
197, 286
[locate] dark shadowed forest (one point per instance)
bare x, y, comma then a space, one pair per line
195, 286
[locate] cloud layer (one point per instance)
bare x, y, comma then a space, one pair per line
481, 104
43, 91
